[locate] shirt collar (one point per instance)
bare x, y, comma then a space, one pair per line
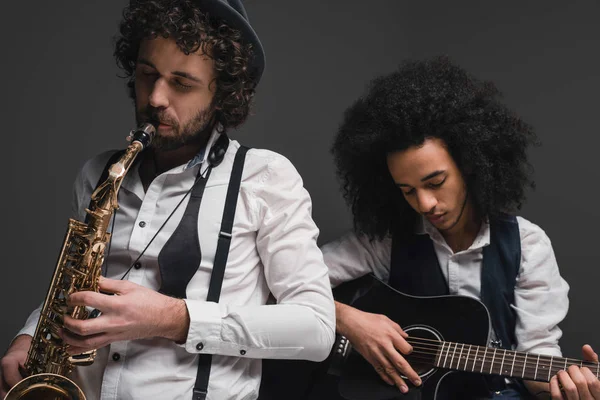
482, 239
202, 155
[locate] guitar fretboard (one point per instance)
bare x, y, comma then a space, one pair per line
493, 361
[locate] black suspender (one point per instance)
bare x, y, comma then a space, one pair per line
216, 278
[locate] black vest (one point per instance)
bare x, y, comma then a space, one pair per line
415, 270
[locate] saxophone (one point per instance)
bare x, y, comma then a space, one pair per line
78, 268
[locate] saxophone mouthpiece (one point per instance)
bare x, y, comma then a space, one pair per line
143, 134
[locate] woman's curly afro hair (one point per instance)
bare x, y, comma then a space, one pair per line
192, 30
430, 99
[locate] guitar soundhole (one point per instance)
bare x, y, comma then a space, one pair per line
425, 341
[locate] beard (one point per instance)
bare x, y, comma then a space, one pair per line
196, 130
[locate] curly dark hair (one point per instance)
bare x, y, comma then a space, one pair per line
433, 98
192, 30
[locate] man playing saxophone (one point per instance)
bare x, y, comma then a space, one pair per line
168, 326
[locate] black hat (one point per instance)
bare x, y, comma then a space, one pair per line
234, 14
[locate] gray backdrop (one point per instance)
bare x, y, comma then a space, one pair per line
62, 102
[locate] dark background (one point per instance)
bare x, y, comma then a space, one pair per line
62, 102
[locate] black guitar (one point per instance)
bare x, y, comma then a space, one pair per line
448, 333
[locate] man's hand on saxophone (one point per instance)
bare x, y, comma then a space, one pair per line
13, 362
129, 312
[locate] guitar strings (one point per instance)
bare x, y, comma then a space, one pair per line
436, 344
489, 362
487, 354
527, 374
508, 355
529, 370
429, 347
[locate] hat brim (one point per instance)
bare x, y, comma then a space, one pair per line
222, 10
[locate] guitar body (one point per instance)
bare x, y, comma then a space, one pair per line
444, 318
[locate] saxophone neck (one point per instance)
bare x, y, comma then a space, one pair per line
104, 198
105, 195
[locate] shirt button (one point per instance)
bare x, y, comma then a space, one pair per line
137, 265
116, 357
243, 352
200, 346
142, 224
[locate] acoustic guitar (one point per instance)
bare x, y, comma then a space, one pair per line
448, 334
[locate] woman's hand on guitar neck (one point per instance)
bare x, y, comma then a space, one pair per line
577, 383
380, 341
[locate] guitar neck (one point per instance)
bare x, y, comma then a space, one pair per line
493, 361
